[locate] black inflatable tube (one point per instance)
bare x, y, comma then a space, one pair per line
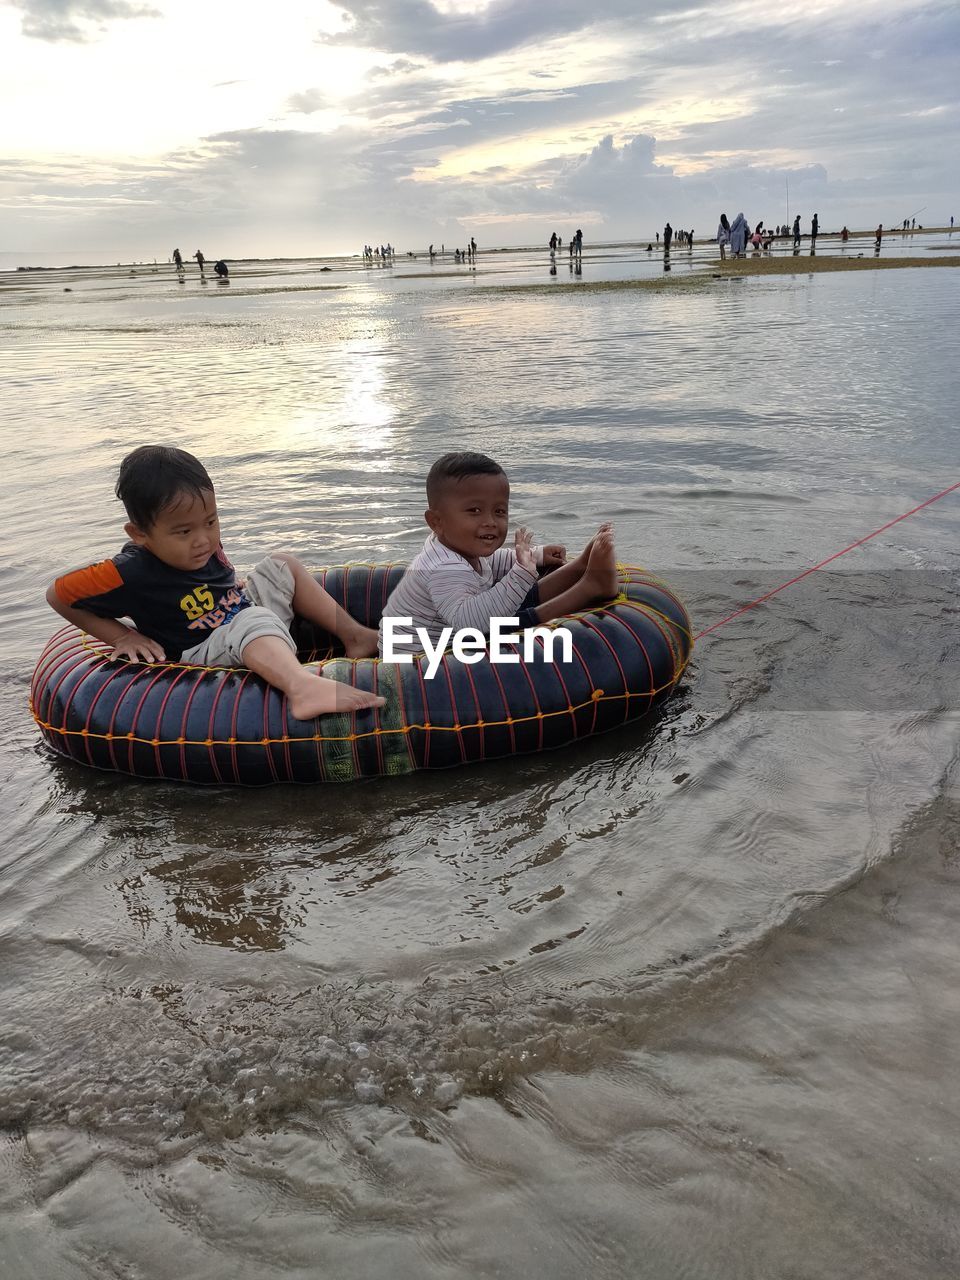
222, 726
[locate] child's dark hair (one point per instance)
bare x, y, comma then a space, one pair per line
153, 477
457, 466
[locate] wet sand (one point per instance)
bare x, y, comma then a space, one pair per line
804, 263
731, 269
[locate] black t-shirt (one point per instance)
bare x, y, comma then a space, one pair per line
177, 608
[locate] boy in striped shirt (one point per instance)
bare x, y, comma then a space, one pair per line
464, 576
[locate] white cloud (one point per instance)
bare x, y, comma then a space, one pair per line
76, 20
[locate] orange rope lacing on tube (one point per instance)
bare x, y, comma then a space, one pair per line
598, 695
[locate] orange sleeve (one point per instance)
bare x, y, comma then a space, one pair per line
94, 580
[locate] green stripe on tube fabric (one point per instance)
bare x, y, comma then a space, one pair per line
394, 742
339, 761
339, 764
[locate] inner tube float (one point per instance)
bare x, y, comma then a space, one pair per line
226, 726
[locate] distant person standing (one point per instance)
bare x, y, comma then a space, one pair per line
796, 231
667, 237
879, 238
738, 235
814, 229
553, 242
844, 235
177, 260
578, 242
200, 260
723, 236
473, 249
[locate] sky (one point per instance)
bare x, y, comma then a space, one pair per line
301, 128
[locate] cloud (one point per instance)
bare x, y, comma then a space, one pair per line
608, 166
72, 20
441, 119
307, 102
399, 67
417, 27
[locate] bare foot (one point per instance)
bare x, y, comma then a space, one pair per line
584, 556
319, 696
361, 643
601, 571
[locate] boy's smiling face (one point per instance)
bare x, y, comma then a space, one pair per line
185, 534
471, 516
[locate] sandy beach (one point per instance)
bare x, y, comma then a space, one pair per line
716, 272
806, 263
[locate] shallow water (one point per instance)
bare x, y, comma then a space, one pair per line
678, 1002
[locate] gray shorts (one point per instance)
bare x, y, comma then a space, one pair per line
270, 587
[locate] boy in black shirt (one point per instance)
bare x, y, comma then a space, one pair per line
175, 582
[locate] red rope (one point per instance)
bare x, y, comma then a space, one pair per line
836, 555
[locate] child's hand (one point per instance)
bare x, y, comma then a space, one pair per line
554, 555
137, 648
523, 546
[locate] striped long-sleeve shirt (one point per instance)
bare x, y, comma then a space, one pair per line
442, 589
